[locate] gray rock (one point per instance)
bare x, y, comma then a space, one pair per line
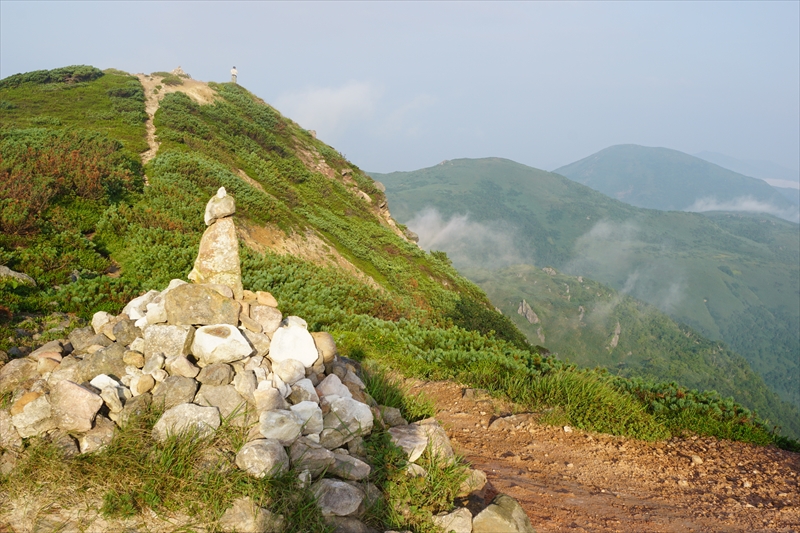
412, 439
125, 331
475, 481
187, 419
98, 437
293, 341
175, 390
9, 437
181, 366
310, 456
168, 340
104, 361
262, 457
336, 497
504, 515
21, 277
230, 403
221, 343
66, 443
269, 318
280, 425
219, 206
79, 337
68, 369
348, 467
245, 383
156, 311
74, 407
153, 362
392, 416
244, 516
303, 391
458, 521
35, 418
218, 257
135, 407
310, 416
15, 373
346, 419
216, 374
192, 304
259, 342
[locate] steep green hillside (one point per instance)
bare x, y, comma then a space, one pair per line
590, 324
660, 178
731, 277
106, 237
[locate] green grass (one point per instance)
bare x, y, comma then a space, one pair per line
135, 473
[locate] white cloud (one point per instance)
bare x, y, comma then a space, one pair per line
331, 110
743, 203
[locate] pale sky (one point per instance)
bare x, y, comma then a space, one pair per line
405, 85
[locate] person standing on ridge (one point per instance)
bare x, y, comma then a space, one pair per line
234, 72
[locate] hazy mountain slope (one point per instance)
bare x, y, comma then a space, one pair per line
793, 195
660, 178
590, 324
763, 170
733, 277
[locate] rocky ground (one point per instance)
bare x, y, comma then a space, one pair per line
572, 480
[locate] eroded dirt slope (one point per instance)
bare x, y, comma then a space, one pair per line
578, 481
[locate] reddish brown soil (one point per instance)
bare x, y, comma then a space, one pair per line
578, 481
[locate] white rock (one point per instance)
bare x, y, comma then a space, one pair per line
181, 366
187, 418
289, 370
293, 342
102, 381
156, 313
346, 420
412, 439
100, 319
168, 340
153, 362
220, 343
219, 206
459, 521
333, 386
137, 345
111, 397
281, 425
137, 308
35, 418
348, 467
310, 416
303, 391
337, 498
262, 457
246, 383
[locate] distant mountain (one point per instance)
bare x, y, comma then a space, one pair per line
660, 178
792, 194
775, 175
731, 276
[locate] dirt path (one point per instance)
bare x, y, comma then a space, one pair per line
587, 482
154, 92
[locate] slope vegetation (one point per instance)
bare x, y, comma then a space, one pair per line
731, 277
660, 178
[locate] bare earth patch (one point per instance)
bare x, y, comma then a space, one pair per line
579, 481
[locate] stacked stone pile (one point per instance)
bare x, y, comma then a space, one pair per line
212, 352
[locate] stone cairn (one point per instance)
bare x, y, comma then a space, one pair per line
210, 351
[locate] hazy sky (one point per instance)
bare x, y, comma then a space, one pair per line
400, 86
